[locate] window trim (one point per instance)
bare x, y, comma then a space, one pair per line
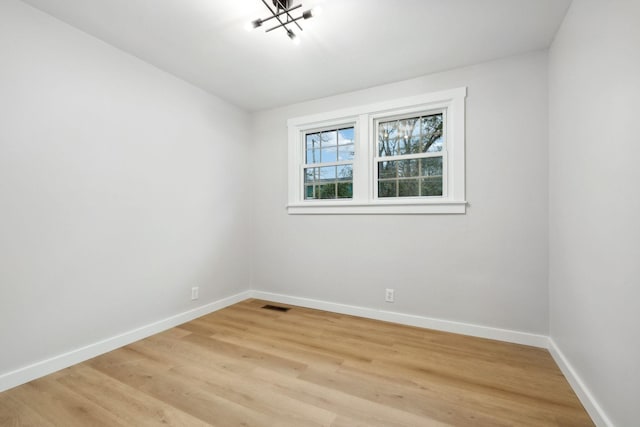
364, 119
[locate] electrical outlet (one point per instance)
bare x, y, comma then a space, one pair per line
389, 295
195, 293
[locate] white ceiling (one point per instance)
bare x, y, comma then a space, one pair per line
354, 44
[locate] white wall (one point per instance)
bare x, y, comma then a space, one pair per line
120, 188
488, 267
594, 200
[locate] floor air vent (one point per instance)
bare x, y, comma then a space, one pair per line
275, 308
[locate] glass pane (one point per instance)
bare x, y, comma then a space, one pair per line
329, 139
388, 147
392, 128
313, 141
388, 138
436, 146
388, 129
346, 152
345, 136
312, 147
431, 133
408, 188
345, 190
387, 188
413, 127
308, 192
329, 155
408, 167
313, 156
409, 141
431, 186
345, 172
310, 174
403, 146
326, 191
414, 145
432, 166
387, 169
327, 172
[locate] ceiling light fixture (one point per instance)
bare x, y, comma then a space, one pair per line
282, 13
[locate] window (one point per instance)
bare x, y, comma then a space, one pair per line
400, 156
328, 168
410, 155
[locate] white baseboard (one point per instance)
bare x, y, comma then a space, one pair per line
595, 411
507, 335
28, 373
45, 367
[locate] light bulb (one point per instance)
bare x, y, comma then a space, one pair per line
253, 24
293, 37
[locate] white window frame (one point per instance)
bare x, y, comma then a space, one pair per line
364, 119
304, 163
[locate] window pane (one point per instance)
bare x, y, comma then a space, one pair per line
345, 136
313, 156
432, 166
308, 191
408, 167
431, 133
387, 188
326, 191
388, 129
313, 141
436, 146
388, 135
310, 174
312, 147
403, 146
387, 170
329, 146
414, 145
408, 188
431, 186
329, 139
346, 152
384, 146
327, 172
329, 154
345, 190
409, 138
345, 172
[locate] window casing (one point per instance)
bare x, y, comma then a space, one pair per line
399, 156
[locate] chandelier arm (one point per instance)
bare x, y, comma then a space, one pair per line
292, 19
276, 15
282, 25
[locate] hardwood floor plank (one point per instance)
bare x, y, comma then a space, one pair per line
15, 414
62, 407
246, 366
133, 407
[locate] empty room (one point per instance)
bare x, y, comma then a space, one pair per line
319, 213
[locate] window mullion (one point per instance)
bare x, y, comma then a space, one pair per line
361, 161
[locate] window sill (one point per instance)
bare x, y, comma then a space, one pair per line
382, 208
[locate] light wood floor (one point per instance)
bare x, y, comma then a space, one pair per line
247, 366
